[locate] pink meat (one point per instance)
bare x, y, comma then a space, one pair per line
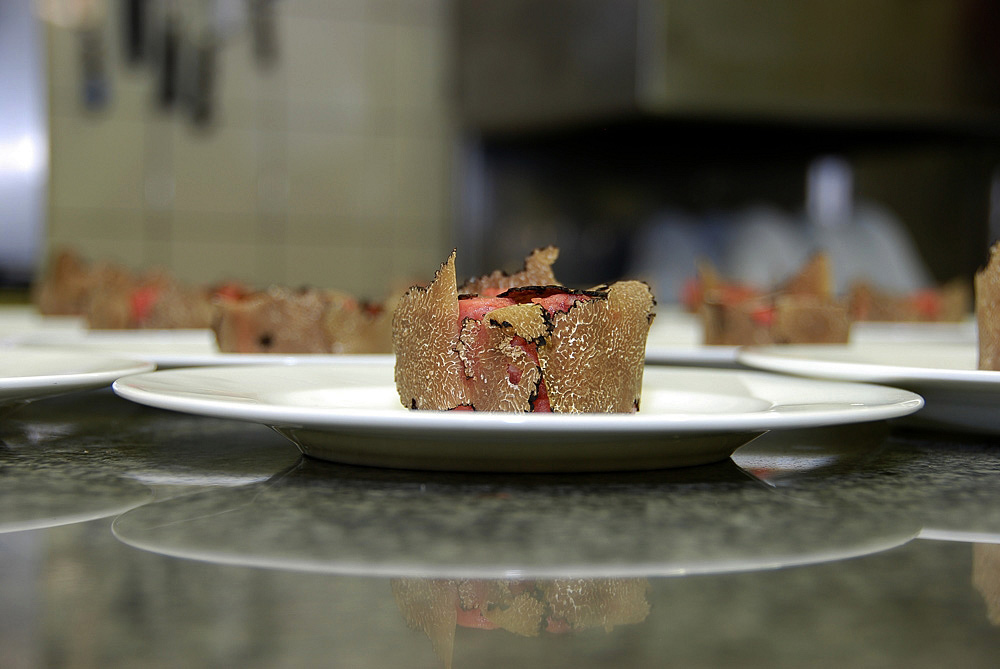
552, 299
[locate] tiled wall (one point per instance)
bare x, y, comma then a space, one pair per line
330, 169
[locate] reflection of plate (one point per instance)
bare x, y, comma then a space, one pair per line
957, 394
31, 374
959, 536
945, 486
333, 518
351, 413
172, 348
47, 498
49, 436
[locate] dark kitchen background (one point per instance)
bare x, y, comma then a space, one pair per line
353, 143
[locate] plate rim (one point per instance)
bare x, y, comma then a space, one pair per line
90, 341
786, 359
114, 367
897, 403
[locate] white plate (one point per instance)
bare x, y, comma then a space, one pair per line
676, 337
696, 355
173, 348
958, 395
964, 332
31, 374
351, 413
16, 320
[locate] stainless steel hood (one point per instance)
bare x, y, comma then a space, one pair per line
523, 64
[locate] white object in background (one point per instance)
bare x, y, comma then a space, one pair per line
830, 192
666, 252
864, 242
893, 260
874, 247
765, 247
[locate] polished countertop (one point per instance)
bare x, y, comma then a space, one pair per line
131, 536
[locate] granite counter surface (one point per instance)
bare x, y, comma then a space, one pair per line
136, 537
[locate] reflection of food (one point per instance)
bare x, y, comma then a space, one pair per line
986, 578
526, 608
801, 310
987, 288
527, 348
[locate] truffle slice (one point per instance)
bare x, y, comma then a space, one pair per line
948, 303
803, 318
593, 359
987, 288
802, 310
537, 271
65, 286
425, 329
814, 278
277, 320
309, 320
176, 305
